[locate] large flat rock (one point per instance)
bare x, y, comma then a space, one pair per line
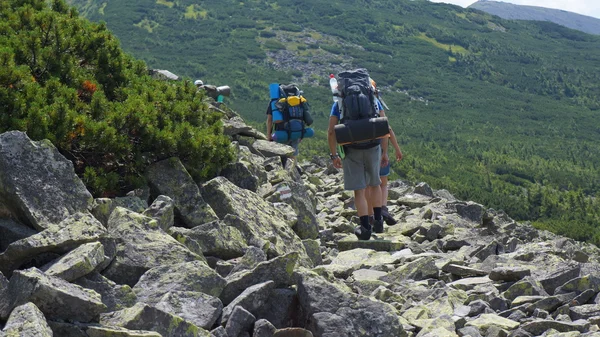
37, 184
55, 297
77, 229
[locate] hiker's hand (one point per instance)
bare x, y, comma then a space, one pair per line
398, 155
384, 160
337, 162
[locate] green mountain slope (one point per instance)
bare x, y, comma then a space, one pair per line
65, 79
510, 11
503, 112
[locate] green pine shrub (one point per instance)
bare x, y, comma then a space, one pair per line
67, 80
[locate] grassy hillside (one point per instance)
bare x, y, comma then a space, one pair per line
65, 79
510, 11
502, 112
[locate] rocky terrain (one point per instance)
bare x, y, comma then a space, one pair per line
263, 251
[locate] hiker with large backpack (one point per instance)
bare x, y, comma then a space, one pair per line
354, 123
288, 116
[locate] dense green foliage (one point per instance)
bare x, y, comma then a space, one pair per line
501, 112
67, 80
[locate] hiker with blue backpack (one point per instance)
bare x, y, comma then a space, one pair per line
356, 129
288, 116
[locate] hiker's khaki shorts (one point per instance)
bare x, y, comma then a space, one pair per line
361, 168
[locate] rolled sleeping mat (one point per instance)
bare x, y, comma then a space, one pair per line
361, 130
274, 90
224, 90
277, 115
282, 136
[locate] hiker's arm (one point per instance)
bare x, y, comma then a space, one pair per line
269, 126
395, 144
333, 120
393, 139
384, 145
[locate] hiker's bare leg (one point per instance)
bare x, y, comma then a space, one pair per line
360, 201
384, 190
375, 196
369, 201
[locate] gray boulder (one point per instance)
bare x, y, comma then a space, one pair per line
37, 184
307, 226
198, 308
145, 317
11, 231
248, 171
215, 238
103, 207
559, 276
163, 211
251, 259
509, 274
252, 299
333, 310
4, 300
471, 211
67, 329
279, 270
240, 321
538, 327
263, 328
424, 189
313, 249
169, 177
526, 287
114, 296
78, 262
281, 308
102, 331
580, 284
75, 230
55, 297
27, 321
143, 246
264, 221
188, 276
219, 332
272, 149
235, 126
241, 175
585, 311
418, 269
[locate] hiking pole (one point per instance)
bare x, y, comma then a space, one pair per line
382, 102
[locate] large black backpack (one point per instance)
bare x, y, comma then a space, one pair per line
357, 101
357, 95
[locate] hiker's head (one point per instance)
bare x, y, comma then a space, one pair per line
373, 84
198, 83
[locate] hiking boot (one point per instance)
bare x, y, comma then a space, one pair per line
387, 217
362, 233
378, 226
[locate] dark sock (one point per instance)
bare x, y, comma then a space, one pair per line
364, 221
377, 211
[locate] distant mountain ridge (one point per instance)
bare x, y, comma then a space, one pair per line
510, 11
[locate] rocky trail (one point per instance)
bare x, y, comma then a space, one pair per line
263, 251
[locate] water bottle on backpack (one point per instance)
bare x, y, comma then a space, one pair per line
334, 88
